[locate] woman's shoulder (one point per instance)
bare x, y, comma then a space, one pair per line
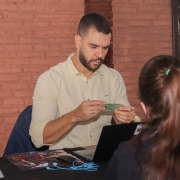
126, 149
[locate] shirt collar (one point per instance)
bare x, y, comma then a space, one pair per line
73, 71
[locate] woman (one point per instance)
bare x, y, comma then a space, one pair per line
155, 153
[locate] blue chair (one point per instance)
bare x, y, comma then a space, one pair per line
20, 140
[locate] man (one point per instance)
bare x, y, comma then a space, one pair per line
69, 99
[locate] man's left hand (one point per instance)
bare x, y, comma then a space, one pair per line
124, 114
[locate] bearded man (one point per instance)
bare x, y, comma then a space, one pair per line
69, 99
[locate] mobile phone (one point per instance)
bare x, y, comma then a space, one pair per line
66, 158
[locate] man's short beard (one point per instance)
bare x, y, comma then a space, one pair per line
86, 63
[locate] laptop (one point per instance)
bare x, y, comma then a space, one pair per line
110, 138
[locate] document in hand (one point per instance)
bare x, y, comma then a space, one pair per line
42, 159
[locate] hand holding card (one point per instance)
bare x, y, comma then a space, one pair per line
124, 114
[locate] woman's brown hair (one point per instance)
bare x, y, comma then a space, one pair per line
159, 90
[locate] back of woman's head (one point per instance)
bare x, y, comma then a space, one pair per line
159, 90
159, 86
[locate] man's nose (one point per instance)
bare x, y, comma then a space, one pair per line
100, 52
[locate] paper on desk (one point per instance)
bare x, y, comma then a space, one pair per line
1, 174
38, 159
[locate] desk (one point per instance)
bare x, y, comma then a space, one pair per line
11, 172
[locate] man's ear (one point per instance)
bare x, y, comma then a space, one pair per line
144, 108
78, 41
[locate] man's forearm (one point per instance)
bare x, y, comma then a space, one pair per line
55, 129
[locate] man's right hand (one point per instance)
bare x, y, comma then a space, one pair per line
55, 129
88, 109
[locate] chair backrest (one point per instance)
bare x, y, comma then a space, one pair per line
19, 140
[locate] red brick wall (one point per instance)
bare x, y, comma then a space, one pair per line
34, 35
141, 29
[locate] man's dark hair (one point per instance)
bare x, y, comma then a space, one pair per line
93, 20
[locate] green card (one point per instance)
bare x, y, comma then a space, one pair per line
111, 107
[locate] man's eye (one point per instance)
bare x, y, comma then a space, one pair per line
93, 47
106, 48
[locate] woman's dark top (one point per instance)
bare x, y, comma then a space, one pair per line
124, 165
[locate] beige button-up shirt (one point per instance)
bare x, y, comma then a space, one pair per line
61, 89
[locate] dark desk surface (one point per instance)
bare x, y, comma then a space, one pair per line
11, 172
